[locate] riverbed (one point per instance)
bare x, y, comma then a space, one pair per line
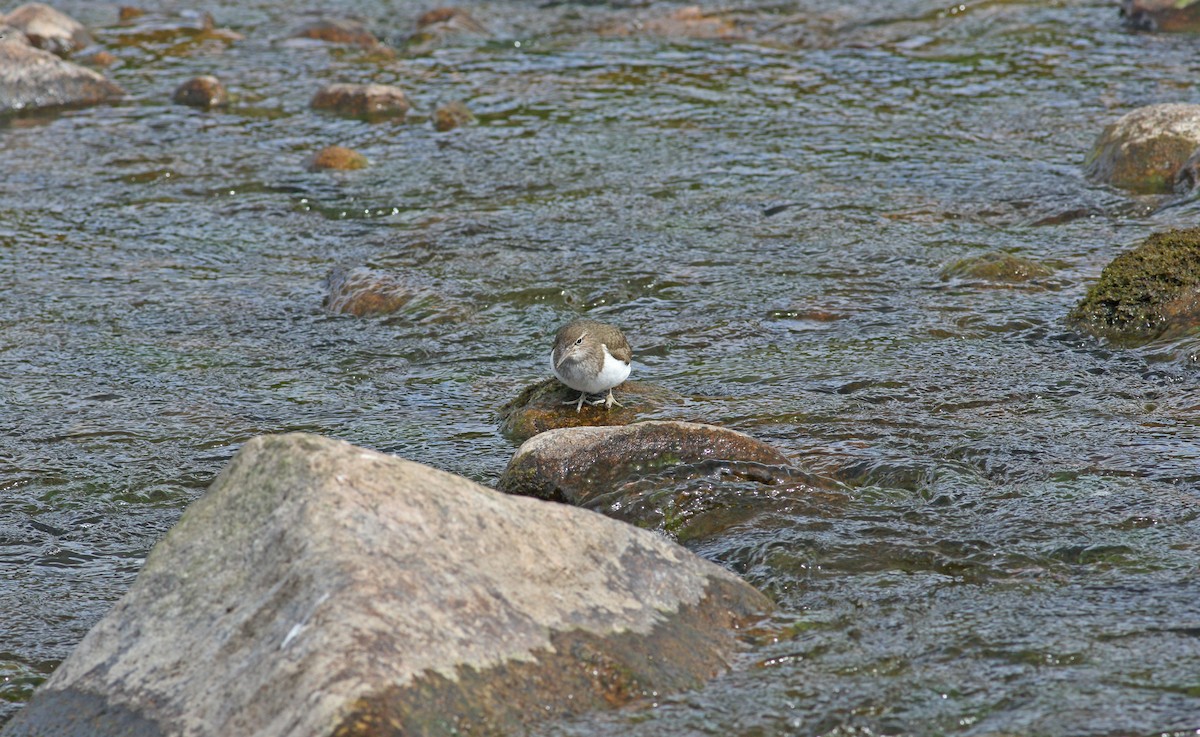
767, 199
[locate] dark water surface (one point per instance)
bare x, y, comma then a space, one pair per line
1016, 551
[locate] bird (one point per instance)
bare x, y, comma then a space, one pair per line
591, 358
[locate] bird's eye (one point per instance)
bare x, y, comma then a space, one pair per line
580, 341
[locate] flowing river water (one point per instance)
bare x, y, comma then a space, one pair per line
768, 214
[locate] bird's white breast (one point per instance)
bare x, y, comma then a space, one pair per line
572, 373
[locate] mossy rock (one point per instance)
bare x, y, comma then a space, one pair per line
1150, 292
1143, 150
997, 266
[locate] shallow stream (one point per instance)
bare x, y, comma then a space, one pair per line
767, 215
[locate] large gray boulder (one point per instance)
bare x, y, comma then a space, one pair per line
31, 78
322, 589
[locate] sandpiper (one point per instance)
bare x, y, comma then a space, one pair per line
591, 358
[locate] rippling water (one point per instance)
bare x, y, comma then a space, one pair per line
767, 217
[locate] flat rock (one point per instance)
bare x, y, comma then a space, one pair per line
366, 101
31, 78
550, 404
47, 28
452, 115
1170, 16
321, 589
1149, 292
1144, 150
578, 464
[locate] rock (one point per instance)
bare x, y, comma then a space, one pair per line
1162, 15
1152, 291
48, 29
365, 292
996, 266
321, 589
31, 78
1144, 150
439, 24
1188, 176
98, 58
578, 464
337, 157
205, 91
338, 31
174, 35
449, 19
127, 13
452, 115
544, 406
367, 101
686, 22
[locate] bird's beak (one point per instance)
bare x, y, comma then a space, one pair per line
562, 358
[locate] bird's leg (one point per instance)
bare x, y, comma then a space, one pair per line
577, 402
611, 400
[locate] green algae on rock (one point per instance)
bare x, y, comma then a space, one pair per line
1148, 292
544, 406
1171, 16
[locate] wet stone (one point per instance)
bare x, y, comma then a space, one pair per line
337, 158
31, 78
205, 91
366, 101
579, 464
1144, 150
47, 28
452, 115
1149, 292
997, 266
276, 607
1170, 16
549, 404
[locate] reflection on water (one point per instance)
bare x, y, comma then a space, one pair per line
768, 217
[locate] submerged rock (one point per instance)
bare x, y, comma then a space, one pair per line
366, 292
544, 406
577, 464
1162, 15
687, 22
321, 589
338, 31
452, 115
1149, 292
31, 78
367, 101
47, 28
337, 157
1144, 150
997, 266
205, 91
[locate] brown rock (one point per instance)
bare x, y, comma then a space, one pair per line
544, 406
449, 19
203, 92
128, 12
363, 292
98, 58
997, 266
452, 115
31, 78
48, 29
1144, 150
578, 464
1162, 15
338, 31
324, 590
337, 157
367, 101
687, 22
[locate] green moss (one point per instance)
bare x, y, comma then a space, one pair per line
1132, 299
